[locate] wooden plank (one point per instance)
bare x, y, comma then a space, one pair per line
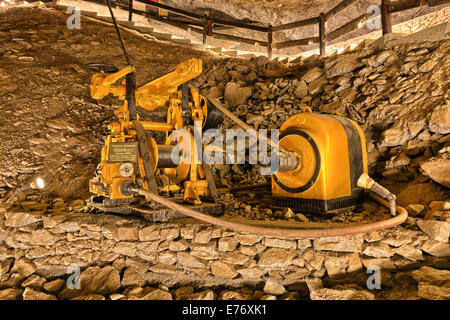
239, 25
410, 4
341, 6
199, 17
171, 9
296, 24
386, 20
269, 43
434, 3
239, 39
348, 27
296, 43
130, 10
404, 5
322, 34
152, 16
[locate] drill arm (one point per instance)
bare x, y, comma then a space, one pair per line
151, 95
157, 92
103, 84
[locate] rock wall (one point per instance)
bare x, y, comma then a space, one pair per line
401, 95
119, 254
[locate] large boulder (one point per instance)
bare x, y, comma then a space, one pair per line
440, 119
341, 65
433, 284
438, 169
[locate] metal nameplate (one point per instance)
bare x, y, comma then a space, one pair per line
123, 152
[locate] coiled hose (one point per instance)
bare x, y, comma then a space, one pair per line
401, 216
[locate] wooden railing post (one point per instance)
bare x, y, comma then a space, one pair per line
386, 21
204, 35
269, 42
322, 36
130, 10
208, 27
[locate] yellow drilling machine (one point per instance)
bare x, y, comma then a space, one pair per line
322, 157
131, 155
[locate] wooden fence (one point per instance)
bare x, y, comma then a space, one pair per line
207, 26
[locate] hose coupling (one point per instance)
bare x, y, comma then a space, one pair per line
368, 183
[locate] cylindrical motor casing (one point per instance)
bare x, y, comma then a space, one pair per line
332, 153
165, 156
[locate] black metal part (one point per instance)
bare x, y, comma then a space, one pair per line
145, 154
111, 203
185, 95
99, 67
355, 154
165, 156
321, 206
125, 188
130, 85
214, 117
157, 213
118, 33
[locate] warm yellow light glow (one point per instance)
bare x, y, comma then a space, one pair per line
2, 4
37, 184
40, 183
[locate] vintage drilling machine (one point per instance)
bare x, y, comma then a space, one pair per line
322, 157
131, 155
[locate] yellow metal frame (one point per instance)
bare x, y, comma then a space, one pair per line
329, 135
151, 96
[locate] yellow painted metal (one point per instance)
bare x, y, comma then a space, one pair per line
305, 170
156, 93
157, 126
151, 96
102, 84
194, 190
330, 137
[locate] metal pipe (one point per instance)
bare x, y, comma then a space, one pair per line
157, 126
281, 232
165, 156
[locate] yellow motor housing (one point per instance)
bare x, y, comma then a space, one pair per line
333, 155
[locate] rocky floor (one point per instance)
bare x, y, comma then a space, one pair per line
52, 128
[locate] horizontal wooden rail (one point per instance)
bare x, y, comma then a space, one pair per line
341, 6
296, 43
177, 11
434, 3
206, 25
240, 39
405, 5
296, 24
410, 4
200, 18
353, 25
